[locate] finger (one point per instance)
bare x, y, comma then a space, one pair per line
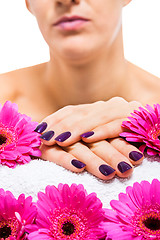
47, 123
60, 157
60, 135
59, 115
113, 157
109, 130
94, 164
85, 118
69, 130
131, 152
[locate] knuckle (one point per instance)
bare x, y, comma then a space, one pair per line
99, 105
83, 110
79, 111
99, 102
65, 125
48, 119
135, 104
68, 108
118, 100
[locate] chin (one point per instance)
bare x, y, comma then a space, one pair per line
77, 51
77, 56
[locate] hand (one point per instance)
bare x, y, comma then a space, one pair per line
101, 119
103, 157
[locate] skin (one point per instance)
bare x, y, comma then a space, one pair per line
79, 86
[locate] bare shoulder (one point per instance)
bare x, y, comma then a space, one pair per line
144, 75
8, 89
12, 83
148, 85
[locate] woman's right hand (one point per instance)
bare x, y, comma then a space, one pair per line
103, 158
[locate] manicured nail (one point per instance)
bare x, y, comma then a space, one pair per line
135, 156
41, 127
123, 167
63, 136
106, 170
78, 164
87, 134
47, 135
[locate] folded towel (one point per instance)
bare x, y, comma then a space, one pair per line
36, 175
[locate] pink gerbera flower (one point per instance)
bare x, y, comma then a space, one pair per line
144, 127
18, 140
16, 216
68, 213
136, 215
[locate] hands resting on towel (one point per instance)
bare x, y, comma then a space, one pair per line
87, 137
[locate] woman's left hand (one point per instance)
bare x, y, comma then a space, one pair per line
88, 122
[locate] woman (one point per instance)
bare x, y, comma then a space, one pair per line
80, 84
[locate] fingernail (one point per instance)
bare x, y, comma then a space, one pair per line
135, 156
47, 135
106, 170
78, 164
123, 167
63, 136
41, 127
87, 134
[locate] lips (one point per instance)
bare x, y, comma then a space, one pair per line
70, 19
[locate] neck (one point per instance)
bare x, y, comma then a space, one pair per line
99, 79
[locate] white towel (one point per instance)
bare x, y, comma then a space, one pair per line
36, 175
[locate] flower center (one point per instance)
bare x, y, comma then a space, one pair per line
7, 136
152, 223
146, 222
155, 132
68, 228
9, 228
68, 224
3, 139
5, 232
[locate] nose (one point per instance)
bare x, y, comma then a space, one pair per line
68, 2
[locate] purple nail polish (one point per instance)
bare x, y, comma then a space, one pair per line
87, 134
106, 170
63, 136
78, 164
123, 167
47, 135
135, 156
41, 127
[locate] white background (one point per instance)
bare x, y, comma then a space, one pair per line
21, 43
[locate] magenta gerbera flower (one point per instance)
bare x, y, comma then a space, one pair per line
17, 216
136, 214
18, 140
144, 127
68, 213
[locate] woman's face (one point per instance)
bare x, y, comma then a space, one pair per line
82, 38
